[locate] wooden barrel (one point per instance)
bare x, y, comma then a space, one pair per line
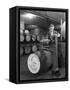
21, 38
39, 62
38, 38
33, 37
21, 51
34, 48
27, 49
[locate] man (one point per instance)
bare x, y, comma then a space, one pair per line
53, 36
52, 33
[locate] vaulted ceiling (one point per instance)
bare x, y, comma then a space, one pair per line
42, 18
54, 16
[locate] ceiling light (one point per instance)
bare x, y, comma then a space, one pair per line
28, 15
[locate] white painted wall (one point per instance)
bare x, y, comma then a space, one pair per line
4, 44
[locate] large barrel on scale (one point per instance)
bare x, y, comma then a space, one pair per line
39, 62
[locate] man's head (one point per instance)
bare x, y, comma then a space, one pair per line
51, 28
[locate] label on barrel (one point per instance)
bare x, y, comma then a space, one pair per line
28, 38
33, 63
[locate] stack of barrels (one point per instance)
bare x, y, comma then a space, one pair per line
38, 60
29, 43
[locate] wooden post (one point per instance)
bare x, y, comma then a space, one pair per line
55, 55
56, 46
61, 29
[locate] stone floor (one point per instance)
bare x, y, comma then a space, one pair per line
26, 75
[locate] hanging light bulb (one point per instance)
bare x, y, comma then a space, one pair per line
29, 15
